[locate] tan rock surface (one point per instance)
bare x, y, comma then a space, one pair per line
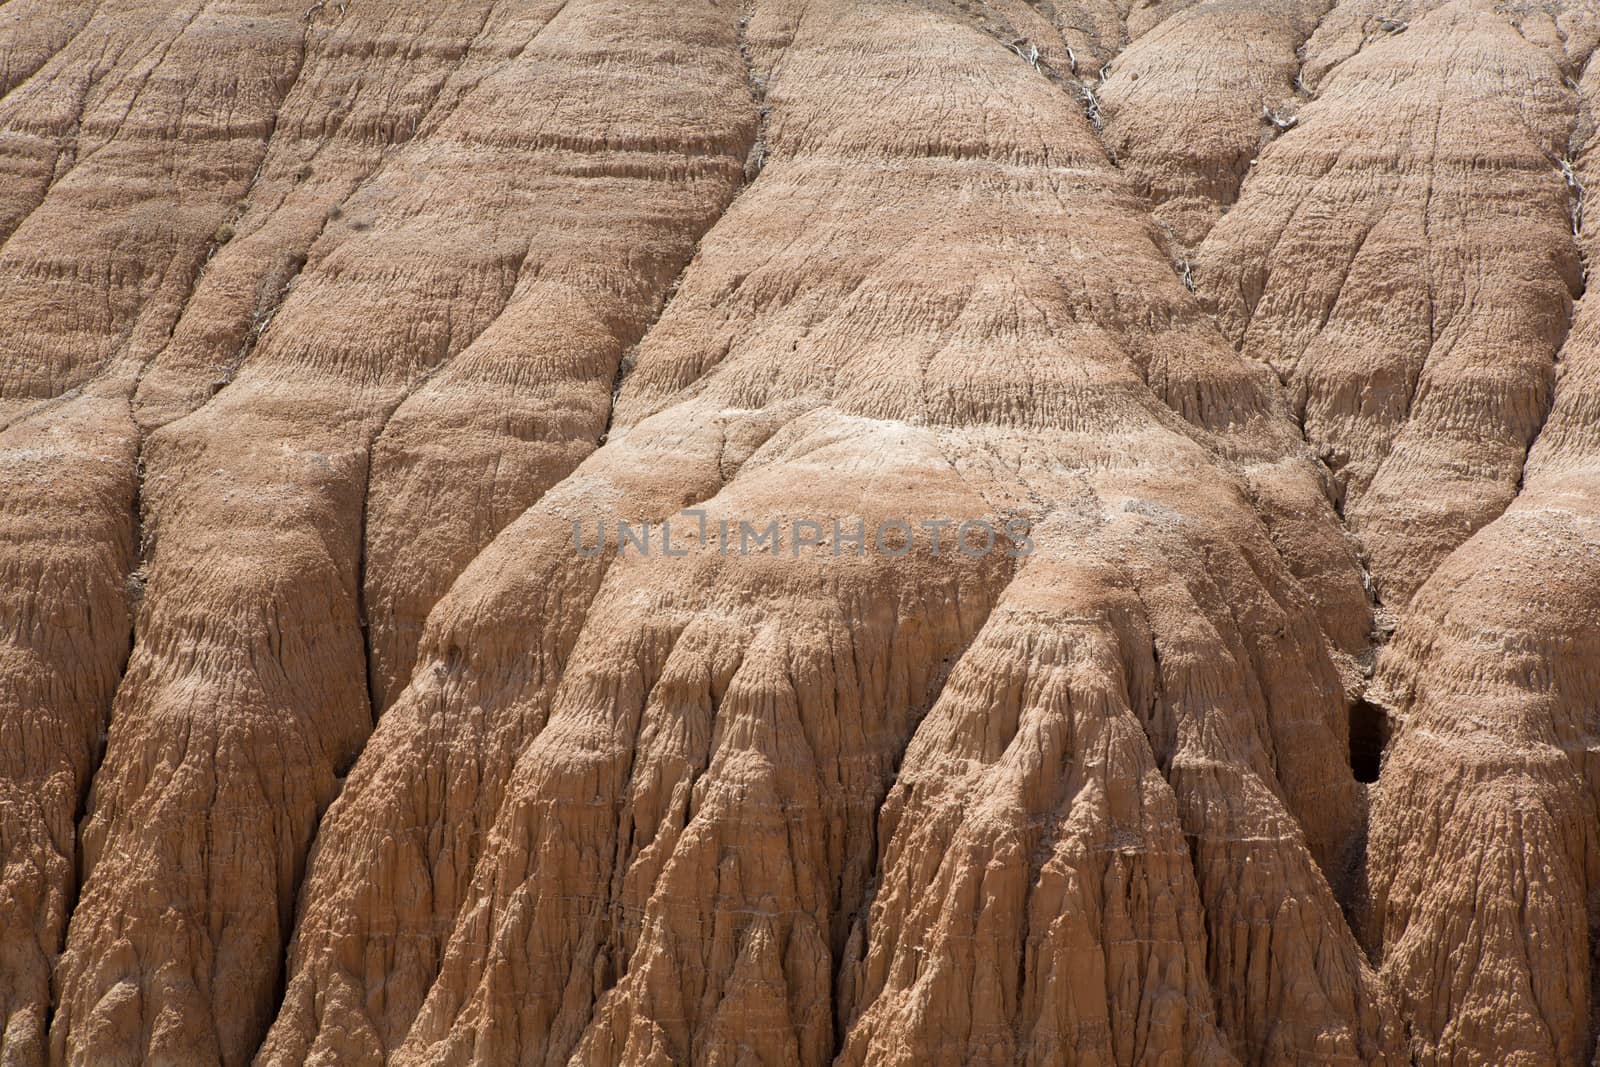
328, 327
1404, 258
1495, 674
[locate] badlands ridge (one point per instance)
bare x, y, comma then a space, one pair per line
320, 327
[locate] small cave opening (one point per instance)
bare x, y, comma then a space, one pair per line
1369, 736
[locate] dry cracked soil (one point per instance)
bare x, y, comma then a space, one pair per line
389, 391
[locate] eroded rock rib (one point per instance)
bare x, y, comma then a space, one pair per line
31, 31
1493, 674
1566, 28
371, 78
609, 186
125, 177
1404, 259
1180, 670
635, 897
110, 193
1036, 902
113, 190
246, 696
1191, 103
55, 100
747, 785
1200, 110
639, 165
64, 619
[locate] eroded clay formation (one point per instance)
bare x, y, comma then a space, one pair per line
1257, 327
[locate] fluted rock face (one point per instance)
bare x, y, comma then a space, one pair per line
798, 532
